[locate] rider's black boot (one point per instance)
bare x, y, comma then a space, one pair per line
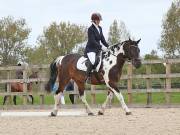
88, 73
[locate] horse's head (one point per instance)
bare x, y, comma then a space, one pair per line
34, 75
132, 52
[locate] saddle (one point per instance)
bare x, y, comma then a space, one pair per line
83, 62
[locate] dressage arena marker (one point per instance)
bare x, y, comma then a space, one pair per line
40, 114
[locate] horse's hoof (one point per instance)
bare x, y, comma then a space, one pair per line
52, 114
90, 114
128, 113
100, 113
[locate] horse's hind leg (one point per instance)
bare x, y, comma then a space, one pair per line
58, 94
57, 97
83, 98
4, 100
108, 98
14, 99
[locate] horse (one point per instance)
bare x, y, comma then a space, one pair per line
18, 87
65, 68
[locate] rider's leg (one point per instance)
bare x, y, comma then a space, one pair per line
89, 69
92, 58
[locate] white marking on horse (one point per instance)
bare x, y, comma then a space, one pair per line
58, 60
120, 98
107, 66
88, 108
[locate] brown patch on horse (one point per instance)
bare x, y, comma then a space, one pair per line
18, 87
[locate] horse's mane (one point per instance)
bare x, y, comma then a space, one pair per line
117, 45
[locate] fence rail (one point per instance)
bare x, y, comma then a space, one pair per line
148, 76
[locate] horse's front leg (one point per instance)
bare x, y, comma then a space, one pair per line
119, 96
108, 98
31, 99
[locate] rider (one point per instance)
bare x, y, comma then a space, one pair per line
94, 46
19, 72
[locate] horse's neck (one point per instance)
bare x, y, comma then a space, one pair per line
33, 76
29, 86
120, 61
116, 57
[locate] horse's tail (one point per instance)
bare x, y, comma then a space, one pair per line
53, 73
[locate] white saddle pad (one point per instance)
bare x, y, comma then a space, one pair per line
81, 64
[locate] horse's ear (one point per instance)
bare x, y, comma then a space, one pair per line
137, 42
129, 39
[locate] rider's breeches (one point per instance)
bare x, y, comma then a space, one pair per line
92, 57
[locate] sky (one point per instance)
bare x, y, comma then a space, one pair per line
143, 18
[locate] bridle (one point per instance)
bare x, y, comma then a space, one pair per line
109, 48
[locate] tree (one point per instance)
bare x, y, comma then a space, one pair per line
36, 55
13, 39
152, 56
60, 39
155, 68
170, 36
80, 48
117, 32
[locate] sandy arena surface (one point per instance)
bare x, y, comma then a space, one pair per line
144, 121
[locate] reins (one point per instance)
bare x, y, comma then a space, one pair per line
109, 48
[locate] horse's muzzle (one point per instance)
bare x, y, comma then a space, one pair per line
136, 63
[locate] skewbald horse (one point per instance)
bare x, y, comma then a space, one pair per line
109, 73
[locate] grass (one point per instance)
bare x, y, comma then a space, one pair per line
175, 97
137, 98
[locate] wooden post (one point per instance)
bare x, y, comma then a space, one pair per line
76, 93
93, 95
129, 82
25, 86
168, 82
41, 96
148, 85
9, 86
